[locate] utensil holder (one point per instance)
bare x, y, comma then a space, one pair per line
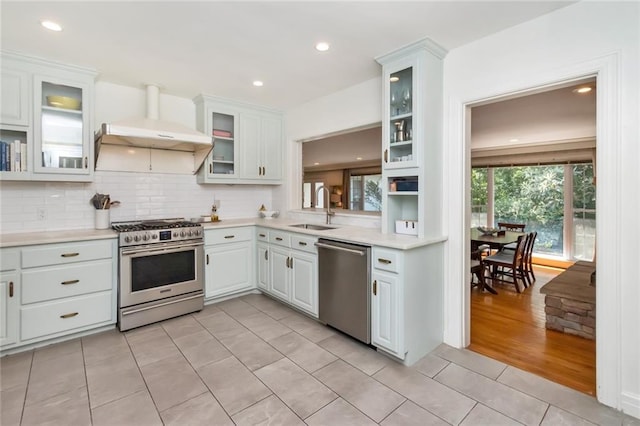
103, 219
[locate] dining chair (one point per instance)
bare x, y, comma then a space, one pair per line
509, 263
518, 227
528, 255
478, 270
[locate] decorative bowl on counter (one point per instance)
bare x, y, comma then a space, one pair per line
269, 214
487, 231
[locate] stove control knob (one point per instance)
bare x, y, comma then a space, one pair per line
136, 238
145, 237
183, 234
190, 233
154, 236
127, 239
198, 232
175, 235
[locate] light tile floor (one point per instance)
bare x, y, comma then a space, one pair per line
252, 360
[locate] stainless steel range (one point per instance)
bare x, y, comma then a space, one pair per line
161, 270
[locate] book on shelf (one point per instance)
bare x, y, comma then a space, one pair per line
13, 156
222, 133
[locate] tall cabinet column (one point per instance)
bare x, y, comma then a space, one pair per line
412, 145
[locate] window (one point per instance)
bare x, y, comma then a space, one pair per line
365, 192
541, 197
309, 191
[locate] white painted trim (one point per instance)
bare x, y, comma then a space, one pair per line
630, 404
457, 290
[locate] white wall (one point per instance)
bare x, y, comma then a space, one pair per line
354, 107
588, 37
38, 206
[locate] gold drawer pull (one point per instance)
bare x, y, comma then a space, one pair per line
69, 254
10, 288
278, 239
71, 315
262, 235
302, 243
70, 282
375, 287
229, 236
385, 261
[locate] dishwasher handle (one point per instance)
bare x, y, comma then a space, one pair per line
348, 250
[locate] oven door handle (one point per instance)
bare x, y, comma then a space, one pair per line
165, 249
171, 302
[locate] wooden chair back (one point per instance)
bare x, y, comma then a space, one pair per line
518, 227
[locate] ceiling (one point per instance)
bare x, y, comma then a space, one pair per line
219, 48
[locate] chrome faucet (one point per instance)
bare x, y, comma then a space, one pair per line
328, 201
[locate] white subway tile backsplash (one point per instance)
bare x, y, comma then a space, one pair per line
40, 206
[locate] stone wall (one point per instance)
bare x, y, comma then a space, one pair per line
570, 316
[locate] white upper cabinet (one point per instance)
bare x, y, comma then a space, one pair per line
47, 118
248, 142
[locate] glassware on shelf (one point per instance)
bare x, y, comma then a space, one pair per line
406, 100
395, 103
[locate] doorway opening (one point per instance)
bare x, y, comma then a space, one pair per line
533, 162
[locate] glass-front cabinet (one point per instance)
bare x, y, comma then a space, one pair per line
46, 122
222, 162
400, 148
62, 136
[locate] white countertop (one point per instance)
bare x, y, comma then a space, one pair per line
50, 237
348, 233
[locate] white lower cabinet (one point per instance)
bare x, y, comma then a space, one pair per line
292, 269
9, 307
53, 290
228, 261
385, 312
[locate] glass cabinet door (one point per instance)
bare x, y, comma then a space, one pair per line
400, 146
222, 160
62, 137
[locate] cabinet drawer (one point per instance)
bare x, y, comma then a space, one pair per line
304, 243
385, 259
59, 254
64, 315
228, 235
262, 234
280, 238
57, 282
9, 260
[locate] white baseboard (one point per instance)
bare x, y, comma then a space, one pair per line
630, 404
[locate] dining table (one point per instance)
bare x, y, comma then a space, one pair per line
496, 241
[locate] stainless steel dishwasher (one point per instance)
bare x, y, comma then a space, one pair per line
344, 282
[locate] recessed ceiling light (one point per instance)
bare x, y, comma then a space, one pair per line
322, 46
50, 25
316, 164
258, 83
394, 79
514, 140
583, 89
358, 158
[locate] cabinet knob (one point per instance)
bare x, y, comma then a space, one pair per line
70, 315
278, 239
228, 237
207, 259
86, 163
10, 288
266, 255
69, 254
386, 155
375, 287
70, 282
385, 261
302, 243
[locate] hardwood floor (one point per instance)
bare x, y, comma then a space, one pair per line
509, 327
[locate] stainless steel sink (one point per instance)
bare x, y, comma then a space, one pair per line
313, 226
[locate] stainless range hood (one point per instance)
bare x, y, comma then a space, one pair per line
155, 134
